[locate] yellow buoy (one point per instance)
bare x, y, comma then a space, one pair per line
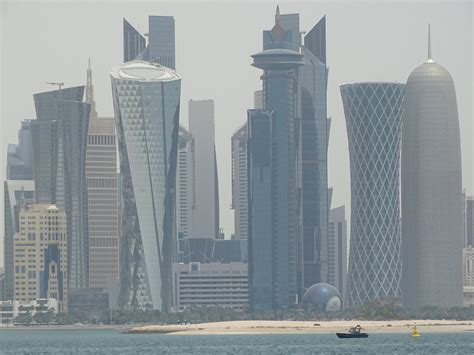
415, 332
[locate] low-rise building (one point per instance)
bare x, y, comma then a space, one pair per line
9, 310
210, 284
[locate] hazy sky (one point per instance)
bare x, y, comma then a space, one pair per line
366, 41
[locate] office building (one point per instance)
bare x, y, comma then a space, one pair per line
59, 150
9, 310
468, 275
211, 285
432, 207
185, 184
102, 195
40, 254
206, 207
313, 161
258, 99
17, 193
469, 221
146, 100
337, 249
161, 42
240, 182
20, 156
373, 118
2, 284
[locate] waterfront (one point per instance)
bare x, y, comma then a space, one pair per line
87, 341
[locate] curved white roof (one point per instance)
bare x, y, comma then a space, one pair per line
144, 71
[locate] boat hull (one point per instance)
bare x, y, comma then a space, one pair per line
347, 335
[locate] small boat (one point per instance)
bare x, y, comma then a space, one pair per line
415, 332
353, 332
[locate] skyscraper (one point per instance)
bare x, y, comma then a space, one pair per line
17, 193
102, 195
20, 156
41, 255
260, 240
59, 149
161, 42
337, 249
146, 100
240, 181
432, 236
206, 208
313, 141
373, 114
280, 80
469, 221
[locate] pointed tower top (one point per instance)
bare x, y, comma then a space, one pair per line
277, 14
89, 63
430, 59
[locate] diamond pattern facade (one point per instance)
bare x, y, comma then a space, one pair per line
373, 116
147, 119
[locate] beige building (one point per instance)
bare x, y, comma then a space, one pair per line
240, 182
468, 275
210, 284
102, 195
40, 255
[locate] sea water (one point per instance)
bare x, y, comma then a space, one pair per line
91, 341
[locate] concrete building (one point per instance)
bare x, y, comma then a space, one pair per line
337, 249
20, 156
469, 221
9, 310
2, 284
17, 193
373, 118
59, 149
468, 275
240, 182
210, 284
41, 255
185, 185
146, 99
432, 207
102, 195
206, 207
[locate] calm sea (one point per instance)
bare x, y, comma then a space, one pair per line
113, 342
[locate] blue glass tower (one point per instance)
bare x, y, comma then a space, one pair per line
280, 80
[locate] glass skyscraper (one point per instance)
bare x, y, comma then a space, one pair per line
59, 136
432, 231
146, 99
373, 114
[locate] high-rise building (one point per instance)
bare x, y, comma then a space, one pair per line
260, 241
59, 150
432, 225
373, 114
206, 207
102, 195
161, 42
280, 81
17, 193
41, 255
337, 249
258, 99
469, 221
313, 162
185, 187
240, 182
20, 156
468, 275
146, 100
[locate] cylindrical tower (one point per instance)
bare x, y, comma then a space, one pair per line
373, 115
432, 236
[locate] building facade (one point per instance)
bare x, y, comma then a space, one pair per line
206, 207
40, 254
373, 118
146, 100
20, 156
337, 249
59, 150
469, 221
432, 207
9, 310
240, 182
102, 195
210, 284
468, 275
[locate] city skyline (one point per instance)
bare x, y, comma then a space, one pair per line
340, 184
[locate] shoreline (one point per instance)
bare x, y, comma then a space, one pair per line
305, 327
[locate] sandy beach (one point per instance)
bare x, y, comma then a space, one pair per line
272, 327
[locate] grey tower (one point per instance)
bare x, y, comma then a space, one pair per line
59, 150
146, 100
373, 114
432, 236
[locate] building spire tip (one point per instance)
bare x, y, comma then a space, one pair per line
430, 59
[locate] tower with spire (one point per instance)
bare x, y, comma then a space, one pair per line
90, 92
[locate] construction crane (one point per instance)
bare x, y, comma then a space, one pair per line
60, 85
